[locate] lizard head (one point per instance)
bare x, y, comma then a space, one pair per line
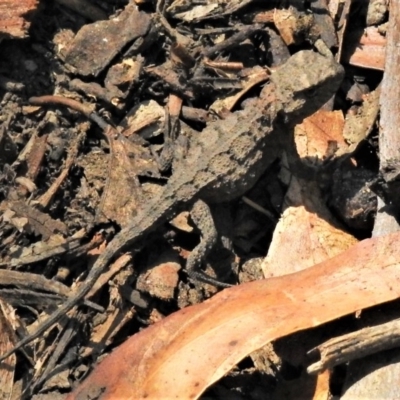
305, 83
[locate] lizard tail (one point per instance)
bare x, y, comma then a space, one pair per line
154, 214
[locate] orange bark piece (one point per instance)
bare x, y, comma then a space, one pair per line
182, 355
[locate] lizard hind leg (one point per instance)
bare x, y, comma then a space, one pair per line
202, 218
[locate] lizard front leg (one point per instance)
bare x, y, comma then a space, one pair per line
202, 218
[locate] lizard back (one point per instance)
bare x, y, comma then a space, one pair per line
228, 156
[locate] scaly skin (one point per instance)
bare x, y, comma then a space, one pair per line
226, 159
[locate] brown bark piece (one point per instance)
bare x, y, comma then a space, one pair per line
14, 17
307, 226
95, 45
310, 387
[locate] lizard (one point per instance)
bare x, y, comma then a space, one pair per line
224, 161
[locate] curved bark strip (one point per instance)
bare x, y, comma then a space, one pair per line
182, 355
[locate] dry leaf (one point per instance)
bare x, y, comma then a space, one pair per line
305, 235
365, 48
316, 136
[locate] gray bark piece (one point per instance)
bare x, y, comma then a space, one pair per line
374, 378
